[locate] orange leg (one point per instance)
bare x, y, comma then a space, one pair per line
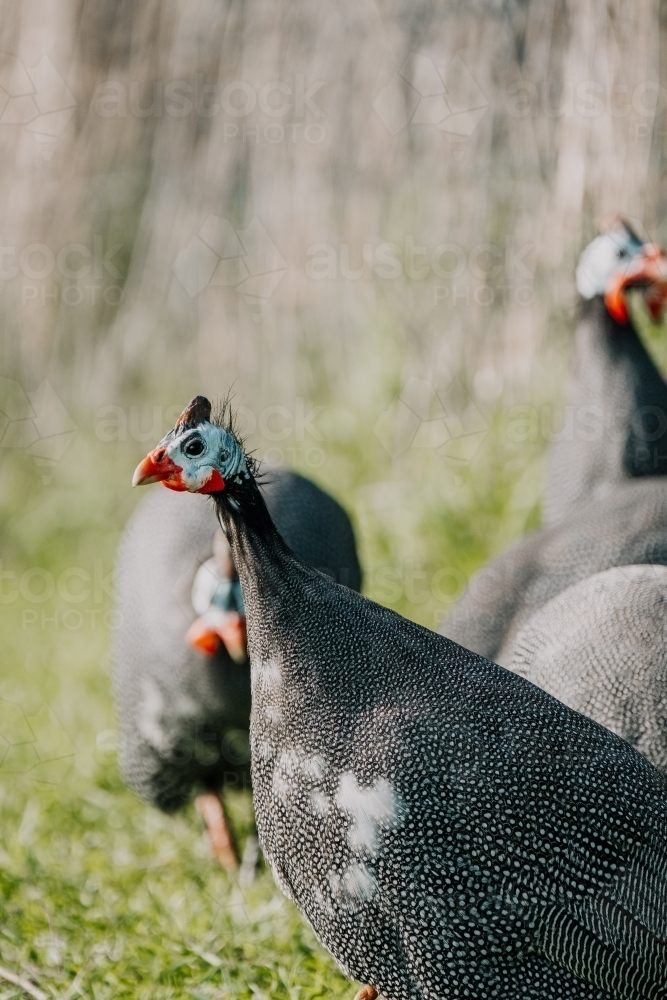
210, 807
367, 993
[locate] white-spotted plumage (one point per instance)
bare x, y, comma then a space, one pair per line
601, 648
482, 840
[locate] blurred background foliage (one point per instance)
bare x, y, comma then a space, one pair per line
364, 217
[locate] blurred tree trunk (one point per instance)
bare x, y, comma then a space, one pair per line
490, 135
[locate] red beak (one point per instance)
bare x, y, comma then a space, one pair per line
650, 270
157, 467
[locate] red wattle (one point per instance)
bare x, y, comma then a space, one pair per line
214, 484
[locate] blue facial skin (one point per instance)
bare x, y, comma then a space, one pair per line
199, 459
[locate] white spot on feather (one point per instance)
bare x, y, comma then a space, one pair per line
272, 714
314, 767
323, 903
265, 750
266, 676
354, 887
280, 785
296, 770
284, 773
371, 809
320, 803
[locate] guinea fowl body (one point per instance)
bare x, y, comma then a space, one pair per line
447, 828
609, 662
628, 527
599, 645
615, 429
184, 717
606, 497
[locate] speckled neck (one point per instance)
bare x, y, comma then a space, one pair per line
608, 350
615, 422
600, 325
267, 567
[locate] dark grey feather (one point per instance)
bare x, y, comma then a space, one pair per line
615, 425
601, 648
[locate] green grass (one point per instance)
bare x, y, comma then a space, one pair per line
102, 896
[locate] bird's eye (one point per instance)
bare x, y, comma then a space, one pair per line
194, 447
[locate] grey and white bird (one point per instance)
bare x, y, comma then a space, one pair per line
184, 715
447, 828
606, 497
601, 648
615, 427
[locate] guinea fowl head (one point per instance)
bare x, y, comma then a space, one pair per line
618, 261
198, 455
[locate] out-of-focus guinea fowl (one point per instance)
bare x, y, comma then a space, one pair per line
184, 715
628, 528
447, 828
615, 427
601, 648
606, 509
217, 599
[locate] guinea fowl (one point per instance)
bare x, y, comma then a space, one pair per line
605, 508
447, 828
617, 399
184, 715
610, 663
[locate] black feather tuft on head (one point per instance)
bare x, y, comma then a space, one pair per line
196, 412
224, 416
632, 232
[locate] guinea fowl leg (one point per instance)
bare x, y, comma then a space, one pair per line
367, 993
211, 808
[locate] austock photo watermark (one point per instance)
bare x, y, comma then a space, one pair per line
35, 422
427, 91
285, 433
410, 583
38, 424
446, 98
590, 423
35, 98
34, 744
73, 274
484, 274
443, 419
446, 419
587, 99
247, 261
272, 112
79, 598
219, 256
76, 598
430, 92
